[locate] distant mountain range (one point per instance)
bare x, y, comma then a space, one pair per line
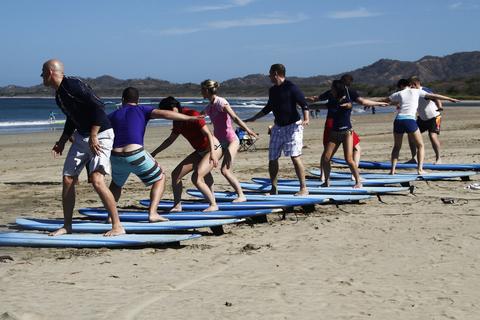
456, 74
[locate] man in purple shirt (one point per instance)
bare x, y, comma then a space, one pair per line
128, 155
287, 133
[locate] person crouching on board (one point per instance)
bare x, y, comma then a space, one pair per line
128, 154
201, 161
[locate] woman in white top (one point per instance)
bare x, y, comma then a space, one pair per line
406, 101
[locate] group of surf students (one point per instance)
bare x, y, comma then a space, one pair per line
114, 144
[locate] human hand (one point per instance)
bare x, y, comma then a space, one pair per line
58, 149
94, 144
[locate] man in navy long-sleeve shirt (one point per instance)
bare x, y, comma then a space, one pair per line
93, 141
287, 133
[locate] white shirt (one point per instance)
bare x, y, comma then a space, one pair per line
427, 109
408, 102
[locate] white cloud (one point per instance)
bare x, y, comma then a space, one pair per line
225, 6
455, 5
359, 13
252, 22
276, 19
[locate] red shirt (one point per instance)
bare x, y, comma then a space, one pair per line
192, 130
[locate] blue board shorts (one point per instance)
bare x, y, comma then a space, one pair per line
405, 126
138, 162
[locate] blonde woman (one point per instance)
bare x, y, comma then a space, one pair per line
222, 115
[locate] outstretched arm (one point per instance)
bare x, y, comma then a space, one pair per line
171, 115
165, 144
370, 103
256, 116
433, 96
239, 121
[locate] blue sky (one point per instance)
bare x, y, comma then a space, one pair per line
189, 41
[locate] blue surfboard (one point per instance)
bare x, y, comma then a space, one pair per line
28, 239
427, 166
136, 216
320, 198
430, 176
130, 227
338, 183
227, 206
326, 190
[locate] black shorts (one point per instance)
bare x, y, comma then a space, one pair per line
430, 125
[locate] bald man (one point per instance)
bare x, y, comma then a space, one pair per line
92, 144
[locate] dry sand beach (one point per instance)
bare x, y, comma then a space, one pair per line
408, 257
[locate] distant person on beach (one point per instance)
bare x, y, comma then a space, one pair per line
128, 154
340, 131
51, 117
406, 101
429, 119
287, 133
201, 161
352, 96
221, 114
92, 143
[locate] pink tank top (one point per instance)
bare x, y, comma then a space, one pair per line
222, 122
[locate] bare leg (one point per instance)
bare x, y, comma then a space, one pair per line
228, 157
300, 171
273, 172
182, 169
435, 145
397, 146
357, 152
417, 137
203, 180
328, 154
413, 150
348, 154
156, 193
98, 182
68, 202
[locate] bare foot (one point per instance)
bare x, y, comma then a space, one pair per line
273, 191
412, 161
211, 208
325, 184
176, 208
240, 199
392, 173
421, 171
59, 232
358, 186
302, 192
115, 232
155, 217
438, 161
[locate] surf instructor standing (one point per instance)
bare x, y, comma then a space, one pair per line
287, 133
93, 136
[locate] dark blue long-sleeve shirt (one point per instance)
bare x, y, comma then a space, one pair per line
81, 106
282, 101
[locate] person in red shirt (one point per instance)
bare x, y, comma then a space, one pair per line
201, 161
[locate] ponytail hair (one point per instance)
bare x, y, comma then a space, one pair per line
210, 85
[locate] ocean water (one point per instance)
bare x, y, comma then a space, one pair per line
27, 115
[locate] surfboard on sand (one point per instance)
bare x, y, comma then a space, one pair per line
228, 206
29, 239
426, 166
320, 198
135, 216
429, 176
339, 183
130, 227
326, 190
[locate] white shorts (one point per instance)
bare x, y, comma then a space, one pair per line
80, 155
288, 139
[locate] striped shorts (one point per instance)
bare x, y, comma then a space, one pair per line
288, 139
139, 162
